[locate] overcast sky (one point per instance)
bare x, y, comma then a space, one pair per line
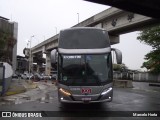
41, 18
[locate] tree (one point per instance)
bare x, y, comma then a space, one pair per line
151, 37
3, 37
7, 43
119, 67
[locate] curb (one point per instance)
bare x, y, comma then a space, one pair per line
155, 85
17, 91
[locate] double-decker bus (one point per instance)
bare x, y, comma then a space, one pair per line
84, 64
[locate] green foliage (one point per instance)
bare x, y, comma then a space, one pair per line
119, 67
3, 39
151, 36
6, 44
153, 61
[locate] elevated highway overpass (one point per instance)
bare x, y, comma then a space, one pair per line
114, 20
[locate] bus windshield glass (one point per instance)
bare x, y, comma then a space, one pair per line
85, 69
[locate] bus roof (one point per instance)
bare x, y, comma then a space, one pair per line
83, 39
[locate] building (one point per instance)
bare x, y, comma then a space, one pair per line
8, 41
22, 64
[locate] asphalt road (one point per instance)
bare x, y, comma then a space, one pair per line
125, 101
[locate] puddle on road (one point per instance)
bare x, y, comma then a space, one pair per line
6, 102
9, 101
45, 99
42, 94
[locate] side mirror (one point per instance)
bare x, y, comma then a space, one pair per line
118, 55
54, 57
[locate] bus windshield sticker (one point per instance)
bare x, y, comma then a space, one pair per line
72, 57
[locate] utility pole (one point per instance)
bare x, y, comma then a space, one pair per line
30, 57
56, 30
78, 17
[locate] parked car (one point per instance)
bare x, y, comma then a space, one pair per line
15, 76
37, 76
23, 76
53, 76
46, 77
27, 76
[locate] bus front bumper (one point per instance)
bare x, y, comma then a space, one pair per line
86, 101
66, 97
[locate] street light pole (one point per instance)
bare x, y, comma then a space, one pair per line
78, 17
30, 57
56, 30
27, 44
113, 57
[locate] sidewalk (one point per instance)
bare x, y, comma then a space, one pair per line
24, 91
19, 86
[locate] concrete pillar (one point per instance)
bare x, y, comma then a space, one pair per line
98, 25
39, 65
133, 76
48, 64
146, 76
114, 39
139, 76
121, 75
31, 63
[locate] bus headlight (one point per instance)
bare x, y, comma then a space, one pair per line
106, 91
65, 92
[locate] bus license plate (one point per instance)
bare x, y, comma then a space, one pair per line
86, 99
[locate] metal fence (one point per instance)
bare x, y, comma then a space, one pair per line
138, 76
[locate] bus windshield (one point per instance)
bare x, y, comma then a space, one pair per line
85, 69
